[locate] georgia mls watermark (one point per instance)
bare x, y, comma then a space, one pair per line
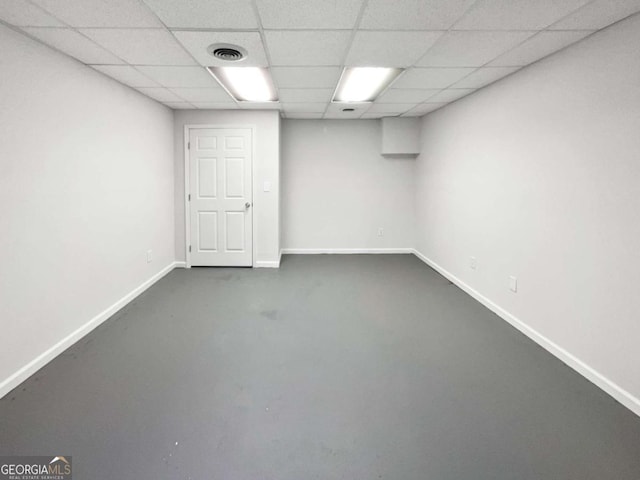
35, 468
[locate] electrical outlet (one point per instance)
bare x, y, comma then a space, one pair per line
473, 263
513, 284
381, 232
149, 256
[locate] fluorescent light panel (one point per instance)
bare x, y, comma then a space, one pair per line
364, 84
246, 84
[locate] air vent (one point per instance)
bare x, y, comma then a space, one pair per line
227, 52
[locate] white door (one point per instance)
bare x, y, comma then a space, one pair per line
220, 197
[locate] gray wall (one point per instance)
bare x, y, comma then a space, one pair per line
86, 175
338, 190
538, 176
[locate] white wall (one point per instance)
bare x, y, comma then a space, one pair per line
266, 167
338, 190
538, 176
86, 181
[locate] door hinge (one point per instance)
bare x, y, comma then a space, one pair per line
188, 145
189, 198
189, 248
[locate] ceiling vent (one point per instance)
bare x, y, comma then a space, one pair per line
227, 52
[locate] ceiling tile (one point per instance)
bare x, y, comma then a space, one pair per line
303, 116
23, 14
311, 107
217, 95
423, 109
431, 77
598, 14
397, 108
283, 14
342, 115
450, 95
197, 43
295, 95
127, 75
141, 46
179, 105
377, 115
413, 14
406, 95
485, 76
259, 106
215, 105
470, 49
160, 94
306, 77
315, 48
228, 14
180, 76
516, 14
101, 13
389, 49
539, 46
72, 43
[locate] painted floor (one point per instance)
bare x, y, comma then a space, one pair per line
333, 367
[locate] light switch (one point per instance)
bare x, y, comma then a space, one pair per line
513, 284
266, 187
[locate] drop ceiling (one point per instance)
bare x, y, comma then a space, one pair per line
449, 48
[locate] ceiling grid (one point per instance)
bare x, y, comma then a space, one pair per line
448, 48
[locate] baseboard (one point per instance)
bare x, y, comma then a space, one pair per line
330, 251
595, 377
267, 264
344, 251
180, 264
41, 360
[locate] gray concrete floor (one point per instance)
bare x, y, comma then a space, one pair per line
333, 367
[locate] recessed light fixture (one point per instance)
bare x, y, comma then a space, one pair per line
246, 84
364, 84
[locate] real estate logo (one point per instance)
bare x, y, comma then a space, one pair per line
36, 468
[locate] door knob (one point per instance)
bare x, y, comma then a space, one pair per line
247, 205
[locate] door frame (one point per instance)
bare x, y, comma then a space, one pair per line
187, 186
